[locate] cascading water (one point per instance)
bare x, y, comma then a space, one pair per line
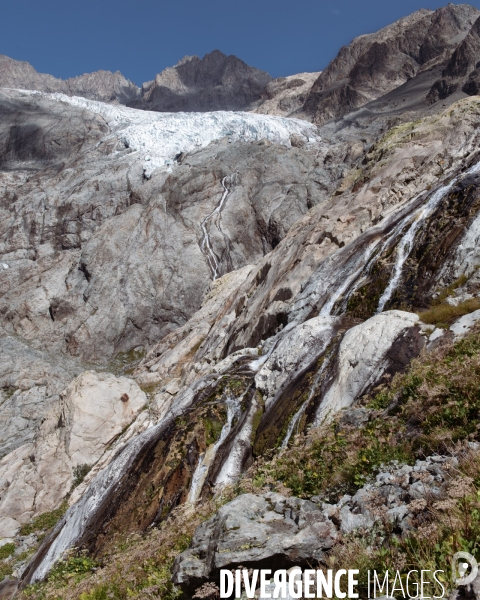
80, 515
206, 245
77, 518
298, 415
326, 309
198, 479
406, 243
232, 466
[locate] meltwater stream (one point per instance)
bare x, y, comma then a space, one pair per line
233, 410
299, 414
79, 516
206, 245
406, 243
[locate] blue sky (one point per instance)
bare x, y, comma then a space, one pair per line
142, 37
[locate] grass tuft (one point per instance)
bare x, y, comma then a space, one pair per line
443, 315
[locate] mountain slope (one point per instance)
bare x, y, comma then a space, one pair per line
181, 295
375, 64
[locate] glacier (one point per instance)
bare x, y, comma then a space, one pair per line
160, 137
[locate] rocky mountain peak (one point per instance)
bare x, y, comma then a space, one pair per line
101, 85
214, 82
375, 64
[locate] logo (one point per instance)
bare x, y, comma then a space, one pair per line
464, 568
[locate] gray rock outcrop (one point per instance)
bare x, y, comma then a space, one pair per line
272, 531
30, 384
75, 430
268, 531
63, 235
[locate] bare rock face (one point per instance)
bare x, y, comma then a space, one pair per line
382, 345
30, 385
120, 261
261, 272
101, 85
286, 95
461, 70
74, 431
374, 64
215, 82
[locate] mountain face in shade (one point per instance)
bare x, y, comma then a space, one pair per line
215, 82
461, 71
375, 64
104, 86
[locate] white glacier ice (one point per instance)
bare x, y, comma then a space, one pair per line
160, 137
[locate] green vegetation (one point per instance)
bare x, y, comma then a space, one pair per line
441, 527
426, 410
8, 391
5, 570
7, 550
443, 315
79, 474
448, 291
135, 567
124, 363
433, 407
213, 429
44, 521
72, 569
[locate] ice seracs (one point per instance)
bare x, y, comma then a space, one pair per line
160, 137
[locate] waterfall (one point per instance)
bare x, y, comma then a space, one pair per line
298, 415
406, 243
326, 309
198, 479
206, 245
78, 517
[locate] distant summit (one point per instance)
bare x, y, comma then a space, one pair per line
214, 82
104, 86
409, 65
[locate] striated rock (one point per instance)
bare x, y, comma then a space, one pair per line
294, 355
383, 345
215, 82
31, 383
248, 259
269, 532
91, 413
63, 236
